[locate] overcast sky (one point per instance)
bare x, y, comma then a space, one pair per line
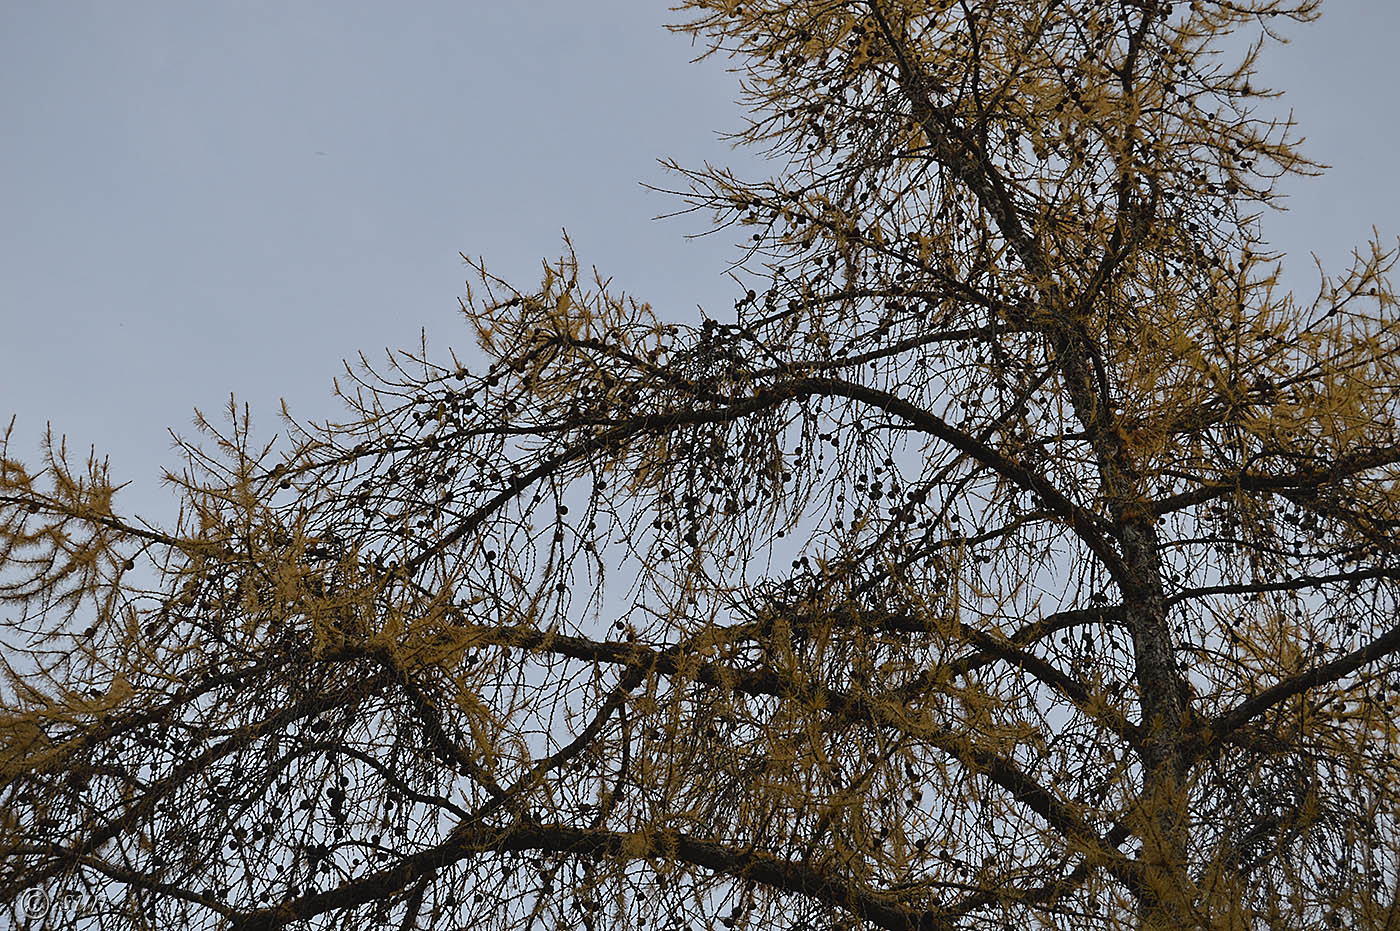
200, 198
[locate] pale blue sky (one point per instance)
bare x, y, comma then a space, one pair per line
170, 233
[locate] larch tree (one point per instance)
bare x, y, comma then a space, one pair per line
1018, 553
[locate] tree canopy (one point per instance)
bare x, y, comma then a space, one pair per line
1019, 552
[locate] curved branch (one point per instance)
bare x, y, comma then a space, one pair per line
1299, 481
142, 807
1209, 743
1284, 585
843, 706
775, 872
1084, 523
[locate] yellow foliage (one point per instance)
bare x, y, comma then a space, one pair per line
1017, 552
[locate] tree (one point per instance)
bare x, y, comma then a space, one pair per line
1019, 553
